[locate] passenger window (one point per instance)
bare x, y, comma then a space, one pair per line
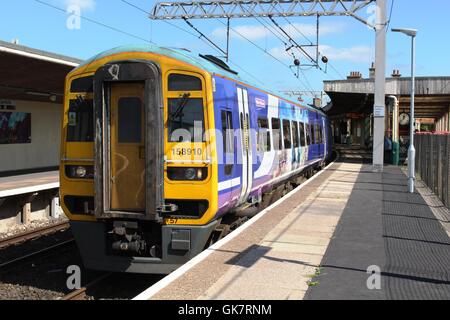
276, 133
263, 140
319, 134
228, 140
308, 135
313, 134
130, 120
302, 134
186, 120
295, 134
287, 134
80, 127
182, 82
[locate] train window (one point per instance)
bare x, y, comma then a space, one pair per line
263, 134
85, 84
312, 129
287, 134
186, 120
295, 134
130, 120
80, 127
241, 121
319, 134
228, 140
308, 135
276, 133
302, 134
183, 82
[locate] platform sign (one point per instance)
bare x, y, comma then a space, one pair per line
379, 111
7, 105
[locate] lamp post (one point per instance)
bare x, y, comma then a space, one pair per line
412, 150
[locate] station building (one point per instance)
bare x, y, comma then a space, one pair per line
31, 108
351, 110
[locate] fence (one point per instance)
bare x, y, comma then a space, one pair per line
433, 163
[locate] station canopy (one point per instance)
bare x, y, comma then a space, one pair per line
355, 96
32, 75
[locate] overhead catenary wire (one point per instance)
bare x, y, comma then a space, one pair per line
310, 42
96, 22
265, 51
241, 35
199, 37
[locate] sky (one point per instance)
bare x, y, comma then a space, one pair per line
348, 44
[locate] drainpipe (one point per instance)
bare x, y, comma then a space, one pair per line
395, 121
393, 101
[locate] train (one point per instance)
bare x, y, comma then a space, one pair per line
160, 145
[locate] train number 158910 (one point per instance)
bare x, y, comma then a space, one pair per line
187, 152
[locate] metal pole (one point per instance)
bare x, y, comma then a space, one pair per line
228, 40
380, 87
412, 149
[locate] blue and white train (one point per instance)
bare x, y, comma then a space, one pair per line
142, 199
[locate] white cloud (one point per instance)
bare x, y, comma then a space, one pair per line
295, 30
82, 4
355, 54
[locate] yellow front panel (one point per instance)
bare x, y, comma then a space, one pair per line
197, 154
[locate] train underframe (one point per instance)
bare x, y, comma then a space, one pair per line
139, 246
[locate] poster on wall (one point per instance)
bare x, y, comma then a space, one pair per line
15, 127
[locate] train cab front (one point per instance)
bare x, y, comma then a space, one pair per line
123, 176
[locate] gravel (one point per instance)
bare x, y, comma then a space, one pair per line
19, 229
44, 278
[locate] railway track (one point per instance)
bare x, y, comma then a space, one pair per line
34, 234
17, 261
81, 294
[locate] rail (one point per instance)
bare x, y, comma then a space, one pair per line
433, 163
34, 234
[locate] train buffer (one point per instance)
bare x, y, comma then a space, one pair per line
349, 233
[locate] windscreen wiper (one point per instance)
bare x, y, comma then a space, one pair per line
181, 106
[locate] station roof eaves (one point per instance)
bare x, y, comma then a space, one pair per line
435, 85
38, 54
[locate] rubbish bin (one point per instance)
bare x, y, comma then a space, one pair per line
395, 153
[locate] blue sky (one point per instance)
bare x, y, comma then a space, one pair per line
348, 43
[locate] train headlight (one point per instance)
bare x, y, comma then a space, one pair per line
190, 174
80, 172
187, 174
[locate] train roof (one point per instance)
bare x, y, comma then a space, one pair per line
196, 60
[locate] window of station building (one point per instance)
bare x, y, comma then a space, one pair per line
295, 134
276, 133
228, 139
80, 126
263, 136
183, 82
302, 134
186, 121
80, 85
130, 120
287, 134
308, 135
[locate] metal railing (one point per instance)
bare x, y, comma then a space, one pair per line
433, 163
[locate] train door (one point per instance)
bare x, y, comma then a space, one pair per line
246, 147
127, 147
324, 138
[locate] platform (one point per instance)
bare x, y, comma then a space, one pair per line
318, 243
28, 183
